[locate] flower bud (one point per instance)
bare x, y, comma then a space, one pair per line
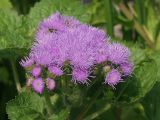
38, 85
50, 84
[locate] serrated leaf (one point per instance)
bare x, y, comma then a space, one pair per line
62, 115
26, 106
156, 57
13, 34
147, 75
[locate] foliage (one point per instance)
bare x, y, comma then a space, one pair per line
26, 106
151, 103
136, 98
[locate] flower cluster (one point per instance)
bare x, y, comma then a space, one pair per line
61, 41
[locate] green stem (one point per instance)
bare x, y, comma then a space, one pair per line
86, 109
64, 86
48, 103
99, 112
15, 75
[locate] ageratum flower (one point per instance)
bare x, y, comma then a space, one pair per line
52, 25
117, 53
42, 56
55, 70
87, 47
36, 71
127, 68
113, 78
63, 41
27, 62
38, 85
80, 75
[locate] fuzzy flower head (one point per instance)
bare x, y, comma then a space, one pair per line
55, 70
38, 85
50, 84
117, 53
41, 55
113, 78
26, 62
36, 71
127, 68
63, 39
52, 24
80, 75
70, 22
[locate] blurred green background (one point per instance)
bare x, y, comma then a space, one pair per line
135, 23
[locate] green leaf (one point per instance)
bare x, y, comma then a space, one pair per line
147, 75
156, 57
26, 106
97, 9
62, 115
133, 112
13, 35
138, 54
151, 103
5, 4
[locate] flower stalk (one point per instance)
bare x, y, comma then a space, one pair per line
15, 75
48, 103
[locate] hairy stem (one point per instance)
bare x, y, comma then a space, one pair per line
15, 75
86, 109
99, 112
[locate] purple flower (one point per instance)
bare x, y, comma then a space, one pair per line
27, 62
86, 48
117, 53
41, 55
50, 84
36, 71
113, 78
127, 68
70, 22
55, 70
53, 24
63, 39
102, 54
80, 76
38, 85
